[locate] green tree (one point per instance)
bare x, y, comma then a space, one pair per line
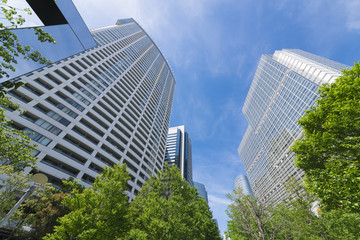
16, 153
300, 213
14, 184
26, 211
167, 207
15, 146
11, 48
43, 209
329, 152
306, 220
296, 218
341, 225
249, 219
98, 212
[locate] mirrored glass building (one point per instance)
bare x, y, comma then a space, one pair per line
285, 84
107, 104
202, 190
178, 151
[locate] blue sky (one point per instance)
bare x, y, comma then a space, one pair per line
213, 47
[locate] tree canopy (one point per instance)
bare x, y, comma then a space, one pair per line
98, 212
167, 207
295, 218
16, 148
329, 152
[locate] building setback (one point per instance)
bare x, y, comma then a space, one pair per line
242, 182
106, 105
178, 151
285, 84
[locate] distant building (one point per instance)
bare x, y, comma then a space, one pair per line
285, 84
242, 182
202, 190
106, 102
178, 151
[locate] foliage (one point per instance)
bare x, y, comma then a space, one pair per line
15, 146
296, 218
249, 219
99, 212
14, 183
167, 207
300, 213
43, 209
341, 225
329, 152
11, 48
24, 214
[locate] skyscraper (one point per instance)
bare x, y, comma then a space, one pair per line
242, 182
178, 151
285, 84
105, 105
202, 190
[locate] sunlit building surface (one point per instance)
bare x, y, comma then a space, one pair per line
285, 84
105, 105
242, 182
178, 151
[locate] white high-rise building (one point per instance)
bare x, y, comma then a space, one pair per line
285, 84
106, 105
178, 151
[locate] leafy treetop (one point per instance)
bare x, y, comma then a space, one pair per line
329, 152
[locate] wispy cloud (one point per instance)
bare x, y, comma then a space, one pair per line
213, 47
214, 200
352, 9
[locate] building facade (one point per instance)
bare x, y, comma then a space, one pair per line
178, 151
242, 182
202, 190
105, 105
285, 84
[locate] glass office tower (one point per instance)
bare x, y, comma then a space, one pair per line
106, 105
242, 182
178, 151
202, 190
285, 84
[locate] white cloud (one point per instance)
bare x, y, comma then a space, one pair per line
352, 10
214, 200
181, 29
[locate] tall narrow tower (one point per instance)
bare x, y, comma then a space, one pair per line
106, 105
178, 151
285, 84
